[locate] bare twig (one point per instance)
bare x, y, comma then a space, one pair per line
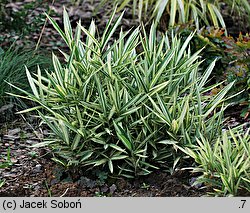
45, 23
34, 131
65, 192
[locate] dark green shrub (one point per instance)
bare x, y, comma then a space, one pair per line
233, 59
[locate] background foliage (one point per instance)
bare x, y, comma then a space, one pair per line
232, 54
173, 12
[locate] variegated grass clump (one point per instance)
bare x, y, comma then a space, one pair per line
225, 163
124, 104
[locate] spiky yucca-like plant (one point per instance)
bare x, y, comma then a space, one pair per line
201, 12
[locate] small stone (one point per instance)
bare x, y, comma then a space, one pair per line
11, 175
14, 131
192, 183
6, 107
30, 141
104, 189
112, 188
29, 135
54, 181
13, 160
38, 168
24, 146
10, 137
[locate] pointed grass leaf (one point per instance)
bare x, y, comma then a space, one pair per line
67, 27
119, 157
159, 9
31, 82
206, 74
58, 29
213, 15
85, 155
109, 30
123, 136
118, 148
172, 14
218, 99
111, 168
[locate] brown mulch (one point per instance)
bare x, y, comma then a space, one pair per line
85, 11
